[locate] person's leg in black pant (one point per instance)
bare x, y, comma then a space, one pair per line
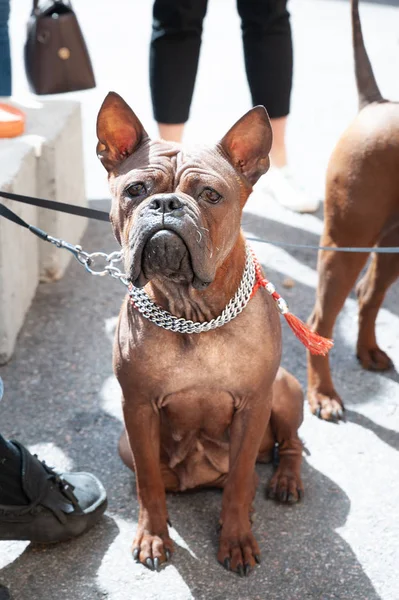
266, 33
174, 55
268, 54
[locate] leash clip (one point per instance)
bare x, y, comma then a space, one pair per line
89, 260
77, 251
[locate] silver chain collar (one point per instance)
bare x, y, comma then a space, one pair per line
166, 320
146, 306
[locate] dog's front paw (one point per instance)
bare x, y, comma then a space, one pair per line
374, 359
152, 550
285, 486
238, 552
328, 407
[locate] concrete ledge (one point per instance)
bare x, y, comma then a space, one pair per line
46, 162
60, 176
19, 250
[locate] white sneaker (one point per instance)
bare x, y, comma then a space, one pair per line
282, 185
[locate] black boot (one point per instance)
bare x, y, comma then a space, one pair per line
61, 506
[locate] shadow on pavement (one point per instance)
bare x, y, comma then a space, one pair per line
303, 557
388, 436
65, 570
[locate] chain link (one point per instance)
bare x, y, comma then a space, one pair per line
90, 261
146, 306
166, 320
109, 268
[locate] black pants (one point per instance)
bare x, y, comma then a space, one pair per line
175, 48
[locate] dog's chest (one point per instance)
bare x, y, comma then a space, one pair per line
213, 369
195, 435
197, 383
202, 409
208, 368
204, 384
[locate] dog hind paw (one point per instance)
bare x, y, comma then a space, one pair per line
285, 486
374, 359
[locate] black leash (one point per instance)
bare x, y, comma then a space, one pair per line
77, 251
72, 209
11, 216
101, 215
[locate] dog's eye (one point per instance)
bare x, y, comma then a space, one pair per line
210, 195
136, 189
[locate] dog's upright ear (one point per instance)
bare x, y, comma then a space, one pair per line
119, 131
247, 144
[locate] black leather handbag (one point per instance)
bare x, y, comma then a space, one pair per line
56, 56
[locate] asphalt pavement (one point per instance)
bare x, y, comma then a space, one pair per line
62, 400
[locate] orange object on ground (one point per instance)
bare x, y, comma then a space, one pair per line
12, 121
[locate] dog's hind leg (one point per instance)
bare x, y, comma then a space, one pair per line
285, 420
359, 202
337, 275
371, 290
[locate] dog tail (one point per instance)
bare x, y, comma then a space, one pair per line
367, 87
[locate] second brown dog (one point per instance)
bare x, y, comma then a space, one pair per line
361, 210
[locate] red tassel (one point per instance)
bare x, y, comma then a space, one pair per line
314, 342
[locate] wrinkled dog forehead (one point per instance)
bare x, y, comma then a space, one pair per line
170, 166
179, 159
203, 164
207, 159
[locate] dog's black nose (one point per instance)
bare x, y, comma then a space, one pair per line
166, 203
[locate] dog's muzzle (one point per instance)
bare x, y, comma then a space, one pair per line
167, 242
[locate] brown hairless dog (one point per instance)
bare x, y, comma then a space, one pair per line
199, 408
361, 209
